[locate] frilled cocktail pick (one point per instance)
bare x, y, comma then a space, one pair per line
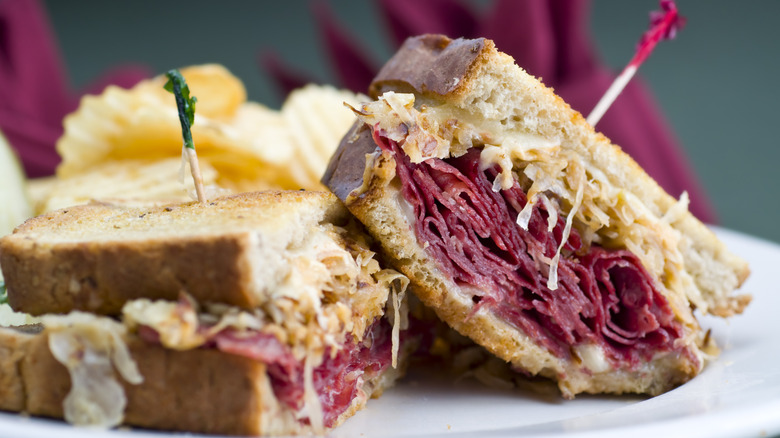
550, 39
185, 104
664, 24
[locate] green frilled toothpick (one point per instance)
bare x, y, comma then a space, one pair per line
3, 293
186, 106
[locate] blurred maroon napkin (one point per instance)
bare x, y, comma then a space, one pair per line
548, 38
34, 95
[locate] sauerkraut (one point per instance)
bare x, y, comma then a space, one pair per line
92, 348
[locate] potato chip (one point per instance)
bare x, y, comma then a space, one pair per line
142, 123
317, 120
219, 93
247, 145
138, 181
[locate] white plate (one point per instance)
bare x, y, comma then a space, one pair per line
736, 395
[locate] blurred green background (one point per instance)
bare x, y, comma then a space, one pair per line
716, 82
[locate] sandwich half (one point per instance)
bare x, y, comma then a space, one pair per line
270, 305
526, 230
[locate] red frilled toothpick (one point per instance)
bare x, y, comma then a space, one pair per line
549, 39
664, 24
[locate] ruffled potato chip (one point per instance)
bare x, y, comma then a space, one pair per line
247, 145
128, 181
142, 123
316, 120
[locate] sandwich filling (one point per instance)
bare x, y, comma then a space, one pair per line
506, 243
331, 325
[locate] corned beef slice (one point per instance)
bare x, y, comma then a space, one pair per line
604, 296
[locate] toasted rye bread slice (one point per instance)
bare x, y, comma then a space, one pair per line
468, 84
97, 257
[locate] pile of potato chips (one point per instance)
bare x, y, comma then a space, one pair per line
126, 144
